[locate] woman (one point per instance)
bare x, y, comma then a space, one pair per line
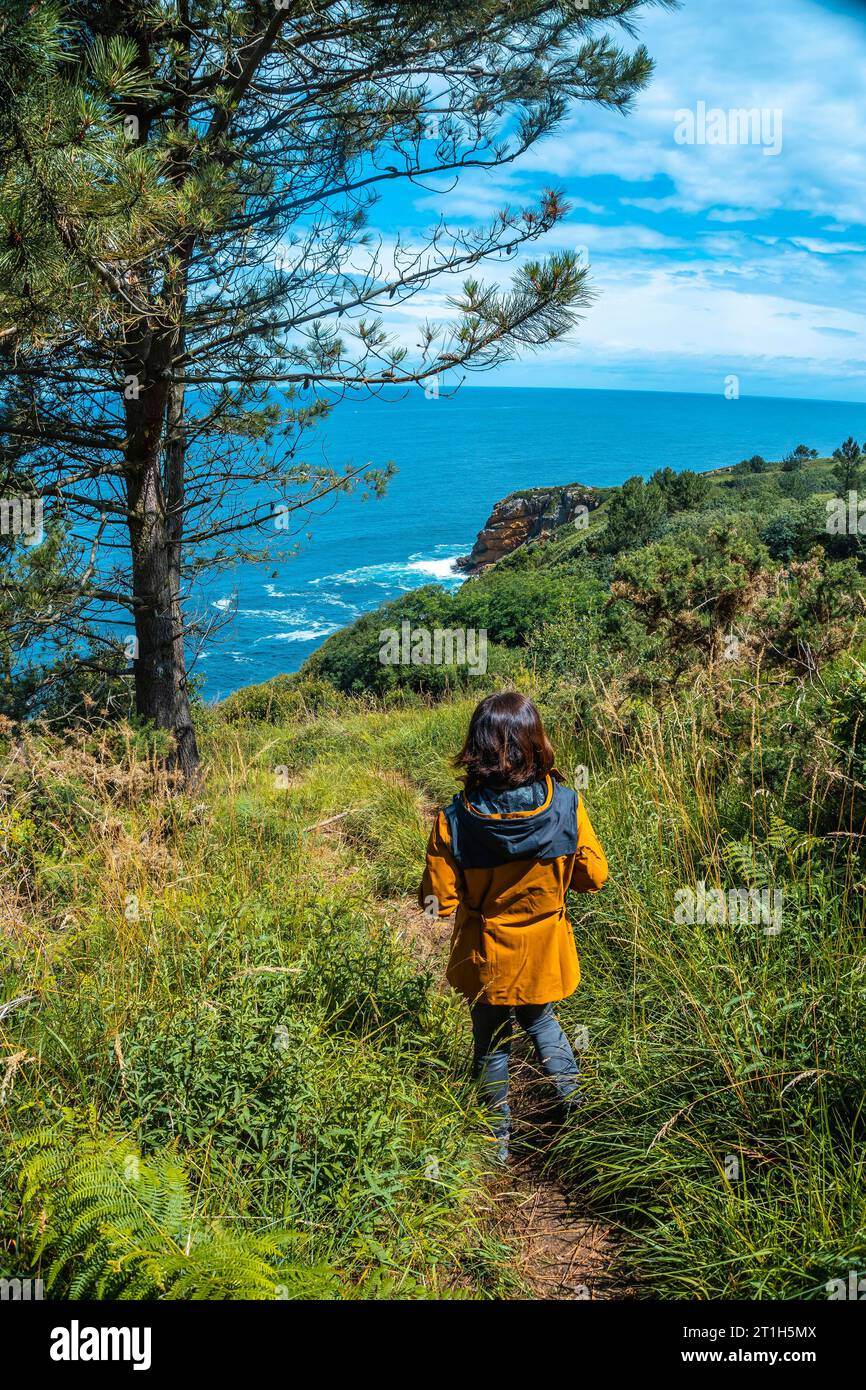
503, 854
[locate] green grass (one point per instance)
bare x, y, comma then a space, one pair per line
235, 1080
723, 1126
724, 1073
217, 994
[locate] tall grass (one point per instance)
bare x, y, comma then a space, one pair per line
221, 1031
259, 1036
723, 1123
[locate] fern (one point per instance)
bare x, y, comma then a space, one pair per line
114, 1225
796, 844
741, 857
754, 863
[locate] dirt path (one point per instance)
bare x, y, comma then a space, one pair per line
562, 1255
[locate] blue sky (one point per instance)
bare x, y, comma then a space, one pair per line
709, 260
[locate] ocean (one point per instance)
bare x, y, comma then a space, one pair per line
455, 458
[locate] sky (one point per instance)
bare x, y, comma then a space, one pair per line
736, 266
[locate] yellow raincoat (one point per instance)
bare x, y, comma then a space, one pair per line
506, 878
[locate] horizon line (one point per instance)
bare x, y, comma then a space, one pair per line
649, 391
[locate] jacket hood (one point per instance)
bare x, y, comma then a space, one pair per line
538, 822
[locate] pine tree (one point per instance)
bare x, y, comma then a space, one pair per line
187, 279
848, 465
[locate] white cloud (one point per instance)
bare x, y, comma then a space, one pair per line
718, 255
793, 55
829, 248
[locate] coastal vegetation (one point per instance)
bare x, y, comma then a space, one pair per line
228, 1067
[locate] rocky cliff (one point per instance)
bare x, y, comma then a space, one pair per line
526, 516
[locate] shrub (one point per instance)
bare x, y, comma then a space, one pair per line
280, 700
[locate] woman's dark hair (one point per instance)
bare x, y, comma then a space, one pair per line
506, 745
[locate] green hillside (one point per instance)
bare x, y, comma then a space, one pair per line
261, 1088
699, 542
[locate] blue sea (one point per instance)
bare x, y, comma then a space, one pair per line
455, 458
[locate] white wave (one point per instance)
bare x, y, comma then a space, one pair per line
239, 658
400, 574
301, 634
223, 603
334, 602
437, 569
382, 575
278, 615
273, 592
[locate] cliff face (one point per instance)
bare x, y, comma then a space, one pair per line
524, 516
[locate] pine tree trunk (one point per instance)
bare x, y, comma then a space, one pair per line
161, 690
161, 686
